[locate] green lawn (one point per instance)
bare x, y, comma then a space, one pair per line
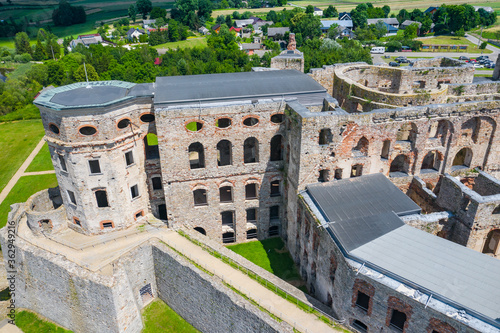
159, 317
17, 141
25, 187
450, 40
270, 254
42, 161
29, 322
191, 42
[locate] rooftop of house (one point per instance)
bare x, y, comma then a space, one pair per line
326, 24
271, 32
362, 215
388, 20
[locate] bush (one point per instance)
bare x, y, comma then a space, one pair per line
26, 57
483, 45
6, 58
393, 46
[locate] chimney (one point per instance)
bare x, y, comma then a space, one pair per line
292, 45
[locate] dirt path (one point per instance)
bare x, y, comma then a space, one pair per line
22, 171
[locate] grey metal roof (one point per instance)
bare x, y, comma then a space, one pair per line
271, 32
357, 197
453, 271
234, 87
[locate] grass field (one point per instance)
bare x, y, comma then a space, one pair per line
450, 40
29, 322
191, 42
42, 161
270, 254
25, 187
159, 317
17, 141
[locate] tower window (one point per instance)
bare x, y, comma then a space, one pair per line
134, 191
95, 168
72, 198
101, 198
129, 158
156, 183
62, 163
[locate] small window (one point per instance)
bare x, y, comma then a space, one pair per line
226, 194
200, 197
88, 130
227, 218
148, 118
252, 234
156, 183
77, 221
129, 158
228, 237
325, 136
94, 166
359, 326
324, 176
275, 188
201, 230
274, 231
250, 121
62, 163
277, 118
252, 215
338, 174
146, 294
72, 197
134, 191
398, 320
123, 123
54, 129
101, 198
194, 126
363, 301
223, 122
139, 214
251, 191
274, 213
356, 170
107, 225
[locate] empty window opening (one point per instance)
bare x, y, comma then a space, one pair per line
156, 181
72, 197
325, 136
46, 225
200, 197
139, 214
496, 210
356, 170
226, 194
463, 158
251, 150
274, 231
492, 242
363, 301
275, 188
250, 191
277, 148
324, 176
223, 122
250, 121
251, 214
94, 166
201, 230
146, 294
277, 118
227, 218
407, 132
274, 213
62, 163
385, 149
77, 221
228, 237
398, 319
129, 158
194, 126
123, 123
361, 147
338, 174
147, 118
162, 212
471, 128
101, 198
88, 130
151, 146
196, 156
432, 161
252, 234
359, 326
108, 224
54, 129
224, 153
134, 191
400, 164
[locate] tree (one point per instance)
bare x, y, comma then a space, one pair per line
333, 31
80, 76
309, 9
330, 12
460, 32
386, 10
39, 53
144, 7
402, 16
379, 29
66, 14
132, 12
55, 72
411, 31
158, 12
359, 18
229, 21
307, 25
22, 43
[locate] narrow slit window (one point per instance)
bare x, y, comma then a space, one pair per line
62, 163
72, 197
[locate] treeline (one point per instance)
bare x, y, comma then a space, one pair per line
65, 14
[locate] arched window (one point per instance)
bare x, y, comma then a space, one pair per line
227, 218
275, 188
463, 158
361, 148
277, 148
386, 149
151, 146
228, 237
200, 197
226, 194
196, 156
250, 191
201, 230
224, 153
407, 132
251, 150
252, 233
432, 161
492, 242
399, 165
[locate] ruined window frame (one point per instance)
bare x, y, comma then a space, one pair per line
98, 166
129, 161
137, 192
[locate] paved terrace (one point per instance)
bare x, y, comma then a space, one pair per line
97, 253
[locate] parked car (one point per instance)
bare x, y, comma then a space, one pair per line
394, 64
478, 66
402, 60
490, 64
472, 61
482, 57
463, 58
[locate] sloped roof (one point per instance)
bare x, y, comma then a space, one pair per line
271, 32
325, 24
388, 20
410, 22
